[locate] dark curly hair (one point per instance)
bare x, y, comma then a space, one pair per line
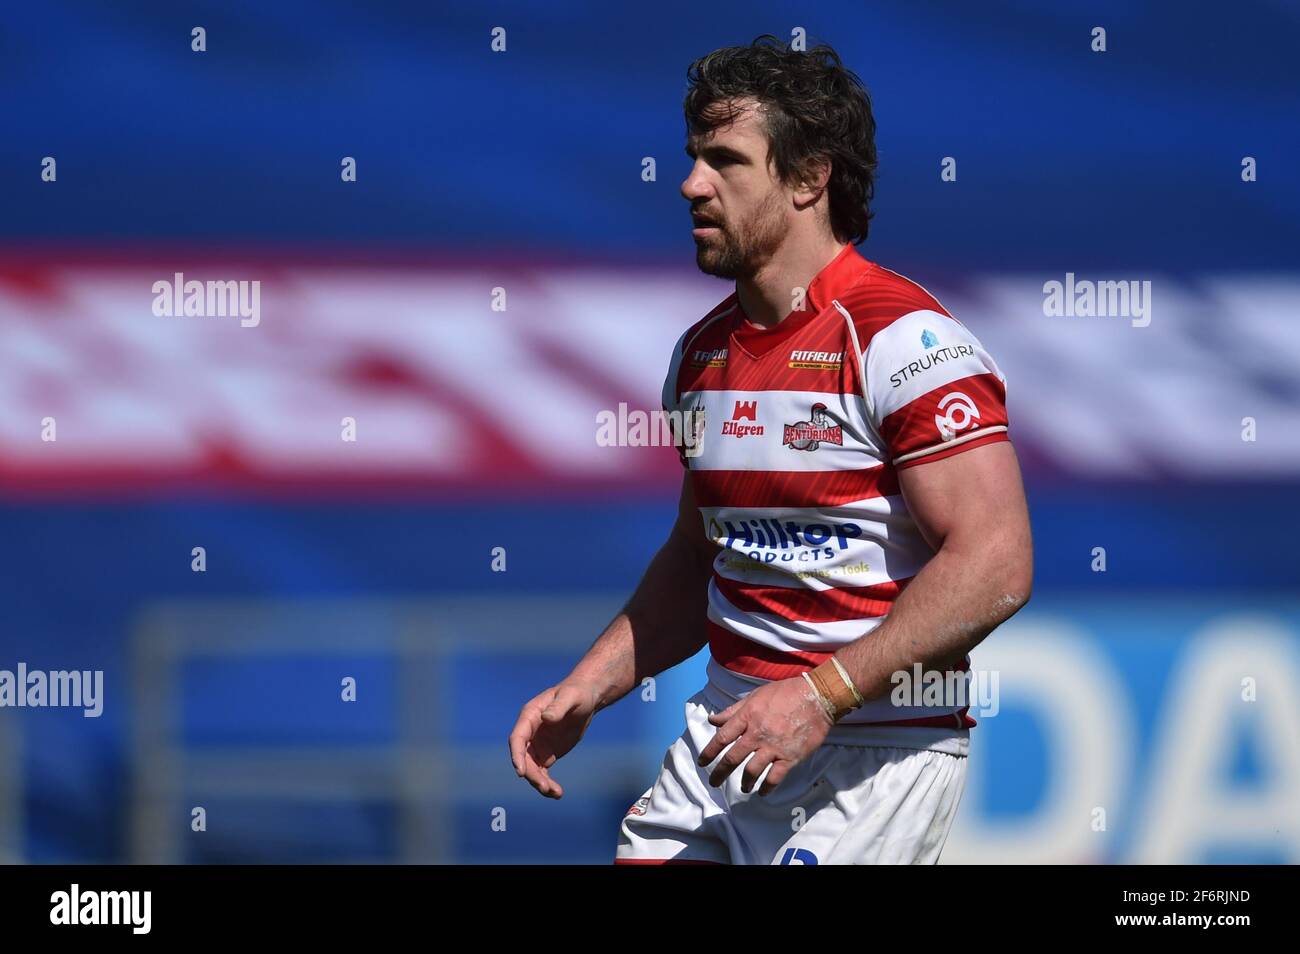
815, 109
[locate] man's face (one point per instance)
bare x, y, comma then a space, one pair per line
738, 205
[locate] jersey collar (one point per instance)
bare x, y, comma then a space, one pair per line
845, 270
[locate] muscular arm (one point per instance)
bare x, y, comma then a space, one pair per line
971, 509
663, 623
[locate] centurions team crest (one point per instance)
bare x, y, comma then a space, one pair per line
810, 434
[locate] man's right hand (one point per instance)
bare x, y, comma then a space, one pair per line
549, 725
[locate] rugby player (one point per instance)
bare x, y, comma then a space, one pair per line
853, 508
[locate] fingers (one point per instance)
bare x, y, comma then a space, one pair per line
536, 775
521, 754
729, 733
565, 700
774, 777
539, 778
530, 717
728, 742
718, 718
520, 737
754, 769
730, 761
549, 786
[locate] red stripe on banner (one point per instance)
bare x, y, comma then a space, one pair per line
811, 606
788, 488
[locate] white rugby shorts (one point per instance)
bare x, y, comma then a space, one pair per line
853, 801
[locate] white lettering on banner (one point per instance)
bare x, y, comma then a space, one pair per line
1163, 396
189, 391
487, 365
438, 389
1055, 670
1200, 725
1174, 806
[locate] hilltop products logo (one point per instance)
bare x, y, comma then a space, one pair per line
772, 541
37, 689
817, 360
1089, 299
811, 434
213, 299
709, 359
948, 689
74, 907
745, 410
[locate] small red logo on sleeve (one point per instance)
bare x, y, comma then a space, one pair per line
959, 413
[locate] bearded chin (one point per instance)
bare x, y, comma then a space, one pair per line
720, 261
731, 258
727, 257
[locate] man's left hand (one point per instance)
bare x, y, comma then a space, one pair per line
782, 723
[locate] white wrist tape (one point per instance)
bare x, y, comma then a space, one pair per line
825, 703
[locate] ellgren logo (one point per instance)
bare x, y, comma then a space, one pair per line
811, 434
744, 411
928, 338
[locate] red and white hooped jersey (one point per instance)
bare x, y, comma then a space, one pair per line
800, 432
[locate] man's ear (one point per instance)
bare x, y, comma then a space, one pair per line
811, 181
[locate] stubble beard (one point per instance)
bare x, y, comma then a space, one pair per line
741, 252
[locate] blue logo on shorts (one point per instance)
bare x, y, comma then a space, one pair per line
798, 856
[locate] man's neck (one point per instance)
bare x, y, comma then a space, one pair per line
768, 296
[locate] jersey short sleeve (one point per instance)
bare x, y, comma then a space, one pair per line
669, 397
932, 389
